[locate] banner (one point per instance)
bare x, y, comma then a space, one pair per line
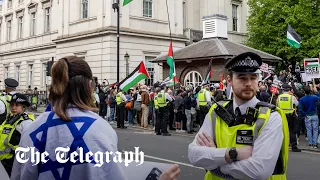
311, 66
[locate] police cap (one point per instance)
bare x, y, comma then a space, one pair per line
20, 98
11, 83
247, 62
286, 86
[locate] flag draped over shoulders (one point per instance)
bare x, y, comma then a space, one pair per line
86, 130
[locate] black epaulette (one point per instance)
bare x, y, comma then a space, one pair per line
265, 104
25, 116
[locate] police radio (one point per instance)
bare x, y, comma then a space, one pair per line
251, 115
227, 117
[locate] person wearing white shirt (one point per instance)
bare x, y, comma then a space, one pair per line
243, 148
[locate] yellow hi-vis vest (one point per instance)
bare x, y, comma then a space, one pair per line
226, 137
5, 100
285, 102
156, 104
162, 101
9, 137
202, 97
119, 99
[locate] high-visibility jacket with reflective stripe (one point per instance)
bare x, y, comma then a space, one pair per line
226, 137
285, 102
156, 104
162, 101
202, 97
119, 98
8, 133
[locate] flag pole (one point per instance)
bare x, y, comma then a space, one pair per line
174, 83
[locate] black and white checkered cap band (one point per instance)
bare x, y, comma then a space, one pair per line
248, 62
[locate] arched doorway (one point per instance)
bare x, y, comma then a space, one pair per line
193, 78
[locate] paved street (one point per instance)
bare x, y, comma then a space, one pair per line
173, 149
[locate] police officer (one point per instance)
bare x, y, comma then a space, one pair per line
156, 110
204, 102
288, 104
10, 88
120, 109
12, 128
242, 138
163, 97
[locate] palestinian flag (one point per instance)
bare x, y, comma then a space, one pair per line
293, 39
125, 2
170, 82
140, 73
170, 62
209, 74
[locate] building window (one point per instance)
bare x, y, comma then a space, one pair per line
9, 31
20, 27
6, 72
193, 78
30, 74
17, 74
150, 69
20, 1
44, 75
84, 9
47, 20
9, 4
33, 24
147, 8
234, 17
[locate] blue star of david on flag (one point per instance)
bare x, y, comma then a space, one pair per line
78, 141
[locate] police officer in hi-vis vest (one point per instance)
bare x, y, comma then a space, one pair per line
10, 86
204, 102
163, 99
242, 138
288, 104
12, 128
120, 109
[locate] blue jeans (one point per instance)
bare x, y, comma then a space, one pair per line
130, 116
312, 125
111, 114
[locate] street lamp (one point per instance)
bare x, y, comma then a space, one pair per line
126, 57
116, 7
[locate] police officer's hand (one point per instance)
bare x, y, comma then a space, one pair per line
171, 174
205, 140
244, 152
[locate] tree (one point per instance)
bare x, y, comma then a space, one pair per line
268, 23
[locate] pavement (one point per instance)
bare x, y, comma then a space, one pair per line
174, 150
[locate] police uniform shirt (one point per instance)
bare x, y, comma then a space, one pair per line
265, 152
168, 97
123, 98
296, 102
2, 107
207, 95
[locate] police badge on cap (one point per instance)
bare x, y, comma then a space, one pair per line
248, 62
20, 98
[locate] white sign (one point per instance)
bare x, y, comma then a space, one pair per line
311, 66
264, 67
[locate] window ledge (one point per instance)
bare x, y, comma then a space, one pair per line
30, 37
237, 33
83, 20
148, 19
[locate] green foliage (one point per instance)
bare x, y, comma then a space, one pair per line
268, 23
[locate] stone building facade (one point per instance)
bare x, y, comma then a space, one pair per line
32, 32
